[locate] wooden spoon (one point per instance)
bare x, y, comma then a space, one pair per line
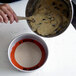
26, 18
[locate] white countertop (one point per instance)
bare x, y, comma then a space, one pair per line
62, 52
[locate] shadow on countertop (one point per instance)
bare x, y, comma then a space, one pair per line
8, 1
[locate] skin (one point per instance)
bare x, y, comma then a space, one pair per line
7, 14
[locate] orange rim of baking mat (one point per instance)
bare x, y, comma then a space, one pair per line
42, 60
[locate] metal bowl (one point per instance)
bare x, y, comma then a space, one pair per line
31, 8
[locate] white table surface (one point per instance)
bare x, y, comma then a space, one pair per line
62, 52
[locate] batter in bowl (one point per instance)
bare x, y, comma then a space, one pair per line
51, 17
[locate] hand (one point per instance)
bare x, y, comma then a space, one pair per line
7, 14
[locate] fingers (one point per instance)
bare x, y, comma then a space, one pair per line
1, 19
3, 16
6, 13
13, 13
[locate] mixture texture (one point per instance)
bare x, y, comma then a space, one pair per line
50, 17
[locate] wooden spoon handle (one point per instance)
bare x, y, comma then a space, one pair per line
23, 18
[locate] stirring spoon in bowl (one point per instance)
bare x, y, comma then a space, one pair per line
26, 18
